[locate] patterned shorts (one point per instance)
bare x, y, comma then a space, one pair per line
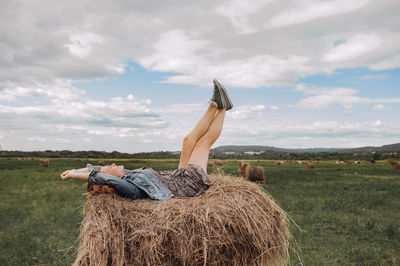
185, 182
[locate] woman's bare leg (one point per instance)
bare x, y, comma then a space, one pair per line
197, 132
202, 148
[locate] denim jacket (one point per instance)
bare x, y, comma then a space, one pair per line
141, 178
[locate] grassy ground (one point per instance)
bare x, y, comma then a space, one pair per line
347, 214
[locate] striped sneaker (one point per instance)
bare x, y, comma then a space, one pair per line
226, 101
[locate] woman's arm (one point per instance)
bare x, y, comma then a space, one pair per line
75, 174
83, 170
87, 169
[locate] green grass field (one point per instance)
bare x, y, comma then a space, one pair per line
346, 214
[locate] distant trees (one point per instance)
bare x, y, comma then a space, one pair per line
268, 155
273, 155
88, 154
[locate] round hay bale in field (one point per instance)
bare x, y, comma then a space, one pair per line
232, 223
44, 163
218, 162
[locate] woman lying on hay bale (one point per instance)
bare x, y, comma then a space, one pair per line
189, 180
232, 223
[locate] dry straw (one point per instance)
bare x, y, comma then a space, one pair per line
233, 223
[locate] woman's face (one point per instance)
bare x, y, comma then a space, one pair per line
115, 170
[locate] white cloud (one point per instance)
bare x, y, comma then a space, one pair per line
51, 139
58, 90
391, 62
305, 10
82, 43
47, 47
348, 112
353, 47
41, 139
325, 97
239, 13
274, 107
380, 107
246, 111
189, 108
372, 77
322, 133
77, 117
77, 40
177, 51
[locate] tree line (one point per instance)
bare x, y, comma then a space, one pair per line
374, 156
268, 155
89, 154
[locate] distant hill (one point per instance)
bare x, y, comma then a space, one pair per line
256, 148
384, 148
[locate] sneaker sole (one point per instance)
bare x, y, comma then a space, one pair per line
225, 98
219, 101
229, 104
218, 86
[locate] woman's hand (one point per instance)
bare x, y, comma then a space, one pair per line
67, 174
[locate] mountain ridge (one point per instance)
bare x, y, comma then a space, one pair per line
259, 148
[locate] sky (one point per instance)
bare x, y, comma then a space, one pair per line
135, 76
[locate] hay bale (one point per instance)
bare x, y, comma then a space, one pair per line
233, 223
309, 165
251, 172
44, 163
395, 165
218, 162
242, 168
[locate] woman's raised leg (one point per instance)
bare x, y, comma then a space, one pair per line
196, 145
197, 132
202, 147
